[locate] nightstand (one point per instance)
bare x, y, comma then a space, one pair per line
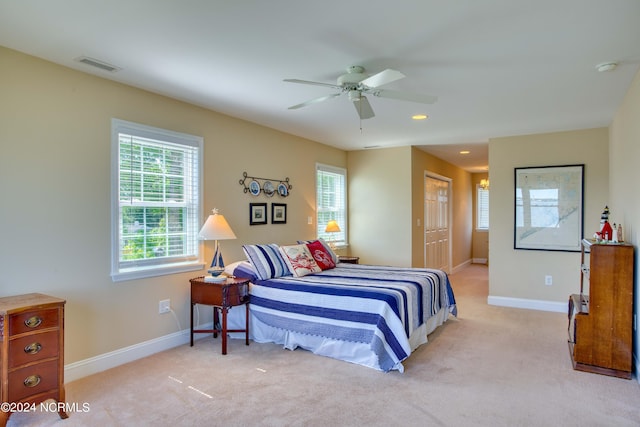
349, 259
222, 296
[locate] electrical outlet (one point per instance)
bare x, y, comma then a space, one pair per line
164, 306
548, 280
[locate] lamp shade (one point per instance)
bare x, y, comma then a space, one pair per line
216, 227
332, 227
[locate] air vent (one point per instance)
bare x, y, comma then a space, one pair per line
97, 64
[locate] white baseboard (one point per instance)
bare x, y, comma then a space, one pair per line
560, 307
93, 365
460, 266
479, 261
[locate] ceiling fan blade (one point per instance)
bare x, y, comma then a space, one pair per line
382, 78
307, 82
363, 108
314, 101
405, 96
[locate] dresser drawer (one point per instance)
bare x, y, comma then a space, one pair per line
33, 320
34, 347
32, 380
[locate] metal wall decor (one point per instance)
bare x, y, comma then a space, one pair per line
255, 185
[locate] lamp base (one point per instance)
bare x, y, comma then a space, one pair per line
215, 279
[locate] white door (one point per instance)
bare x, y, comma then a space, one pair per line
437, 235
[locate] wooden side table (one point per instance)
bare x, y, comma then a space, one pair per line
349, 259
32, 357
222, 296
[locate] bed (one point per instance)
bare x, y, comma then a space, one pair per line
374, 316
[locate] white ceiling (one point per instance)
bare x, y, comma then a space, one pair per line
499, 67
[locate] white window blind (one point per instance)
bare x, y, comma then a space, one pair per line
482, 212
156, 206
331, 202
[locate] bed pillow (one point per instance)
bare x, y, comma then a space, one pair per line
299, 260
242, 269
333, 255
266, 260
320, 255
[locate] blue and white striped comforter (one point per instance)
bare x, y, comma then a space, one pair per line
379, 306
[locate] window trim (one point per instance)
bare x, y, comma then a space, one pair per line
142, 269
343, 226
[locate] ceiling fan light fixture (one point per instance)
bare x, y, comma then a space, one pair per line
354, 95
606, 66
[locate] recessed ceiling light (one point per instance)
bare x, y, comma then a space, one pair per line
465, 152
420, 117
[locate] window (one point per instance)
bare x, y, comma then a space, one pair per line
155, 190
482, 205
331, 202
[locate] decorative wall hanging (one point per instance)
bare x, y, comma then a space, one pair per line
278, 213
254, 185
548, 208
257, 213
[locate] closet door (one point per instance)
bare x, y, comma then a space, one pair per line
437, 234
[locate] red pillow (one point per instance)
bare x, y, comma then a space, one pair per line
320, 254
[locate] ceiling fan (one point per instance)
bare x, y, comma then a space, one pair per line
355, 83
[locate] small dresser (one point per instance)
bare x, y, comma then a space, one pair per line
32, 354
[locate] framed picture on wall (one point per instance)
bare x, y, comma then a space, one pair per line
548, 208
278, 213
257, 213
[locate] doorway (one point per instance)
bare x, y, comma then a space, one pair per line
437, 217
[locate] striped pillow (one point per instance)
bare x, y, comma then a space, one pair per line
267, 261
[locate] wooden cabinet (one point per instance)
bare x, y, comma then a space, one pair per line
601, 316
32, 356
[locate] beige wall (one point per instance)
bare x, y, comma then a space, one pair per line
55, 192
380, 205
386, 199
480, 239
460, 205
624, 153
520, 273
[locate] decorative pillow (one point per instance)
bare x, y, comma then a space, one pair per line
266, 260
320, 255
333, 255
242, 269
299, 260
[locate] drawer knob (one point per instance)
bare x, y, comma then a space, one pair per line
32, 381
33, 348
33, 322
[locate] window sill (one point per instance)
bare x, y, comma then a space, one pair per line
142, 273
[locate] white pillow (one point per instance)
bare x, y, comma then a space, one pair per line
299, 260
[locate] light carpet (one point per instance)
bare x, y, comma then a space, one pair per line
491, 366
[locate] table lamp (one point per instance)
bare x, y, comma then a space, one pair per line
332, 227
216, 228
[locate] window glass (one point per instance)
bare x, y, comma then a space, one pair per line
331, 202
156, 201
482, 213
